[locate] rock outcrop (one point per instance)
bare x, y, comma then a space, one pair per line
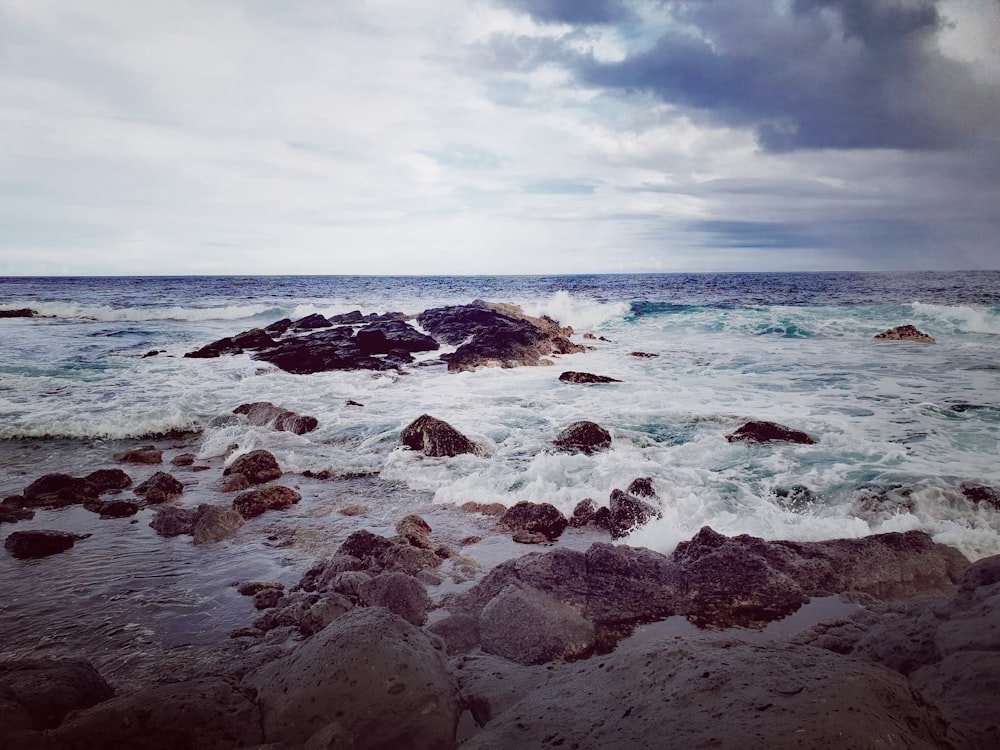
543, 519
583, 437
48, 689
758, 431
266, 414
435, 437
905, 333
585, 378
21, 312
207, 523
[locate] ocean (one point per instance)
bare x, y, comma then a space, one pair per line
916, 421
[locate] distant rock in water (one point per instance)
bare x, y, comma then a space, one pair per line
257, 467
159, 488
538, 518
583, 437
40, 542
768, 432
585, 378
435, 437
905, 333
264, 413
147, 454
255, 338
24, 312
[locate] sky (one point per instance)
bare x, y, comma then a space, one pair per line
498, 136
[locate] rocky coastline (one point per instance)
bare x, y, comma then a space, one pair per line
596, 645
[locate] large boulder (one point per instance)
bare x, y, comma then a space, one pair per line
435, 437
257, 467
401, 594
40, 542
273, 497
173, 521
628, 512
757, 431
160, 488
213, 523
252, 340
491, 334
58, 490
534, 518
321, 351
266, 414
905, 333
388, 336
48, 689
370, 678
583, 437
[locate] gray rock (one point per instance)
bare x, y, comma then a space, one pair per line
459, 632
435, 437
583, 437
48, 689
174, 521
253, 503
214, 523
380, 678
401, 594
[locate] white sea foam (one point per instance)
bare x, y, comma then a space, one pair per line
141, 314
960, 318
579, 312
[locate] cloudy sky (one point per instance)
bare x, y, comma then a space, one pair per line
498, 136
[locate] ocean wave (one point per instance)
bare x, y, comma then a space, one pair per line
106, 313
579, 312
962, 318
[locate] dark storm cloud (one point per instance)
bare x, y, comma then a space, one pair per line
813, 74
572, 11
760, 235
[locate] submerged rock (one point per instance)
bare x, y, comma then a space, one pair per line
58, 490
266, 414
435, 437
147, 454
207, 523
905, 333
40, 542
583, 437
757, 431
585, 378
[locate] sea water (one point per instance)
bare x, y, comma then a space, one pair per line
796, 349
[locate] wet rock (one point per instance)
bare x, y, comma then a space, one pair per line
21, 312
233, 483
183, 459
213, 523
39, 543
266, 414
415, 531
256, 502
585, 378
104, 480
278, 327
879, 503
487, 509
48, 689
982, 495
642, 487
258, 466
797, 498
322, 351
490, 334
267, 598
536, 518
395, 335
160, 488
114, 508
460, 633
379, 678
207, 712
311, 323
435, 437
57, 491
583, 437
643, 355
627, 513
401, 594
252, 340
173, 521
905, 333
12, 510
147, 454
757, 431
251, 588
583, 513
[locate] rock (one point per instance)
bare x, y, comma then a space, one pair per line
257, 466
48, 689
233, 483
322, 351
267, 598
879, 503
104, 480
460, 633
264, 414
526, 626
160, 488
798, 498
628, 513
540, 518
981, 494
21, 312
207, 712
905, 333
274, 497
490, 334
530, 537
213, 523
278, 327
716, 693
583, 513
643, 355
114, 508
642, 487
251, 340
585, 378
311, 323
183, 459
173, 521
487, 509
379, 678
401, 594
147, 454
365, 545
435, 438
583, 437
12, 513
388, 336
415, 531
757, 431
57, 491
251, 588
39, 542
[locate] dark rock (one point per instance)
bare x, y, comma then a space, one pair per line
530, 537
257, 466
311, 322
21, 312
583, 513
115, 508
489, 334
207, 712
377, 553
602, 518
414, 530
401, 594
527, 626
213, 523
233, 483
147, 454
460, 633
797, 498
643, 355
173, 521
251, 340
267, 598
104, 480
879, 503
435, 437
12, 513
324, 350
48, 689
160, 488
765, 432
628, 513
583, 437
540, 518
40, 542
905, 333
364, 545
278, 327
642, 487
58, 490
356, 318
981, 494
183, 459
256, 502
380, 679
251, 588
264, 414
387, 336
153, 353
585, 378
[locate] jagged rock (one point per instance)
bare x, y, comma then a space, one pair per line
183, 459
583, 513
797, 498
257, 466
324, 350
104, 480
213, 523
643, 355
311, 323
490, 334
414, 530
628, 513
114, 508
642, 487
982, 495
252, 340
905, 333
207, 712
21, 312
394, 335
268, 598
48, 689
160, 488
266, 414
251, 588
538, 518
526, 626
435, 437
585, 378
401, 594
274, 497
756, 431
58, 490
583, 437
147, 454
380, 554
40, 542
278, 327
380, 679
